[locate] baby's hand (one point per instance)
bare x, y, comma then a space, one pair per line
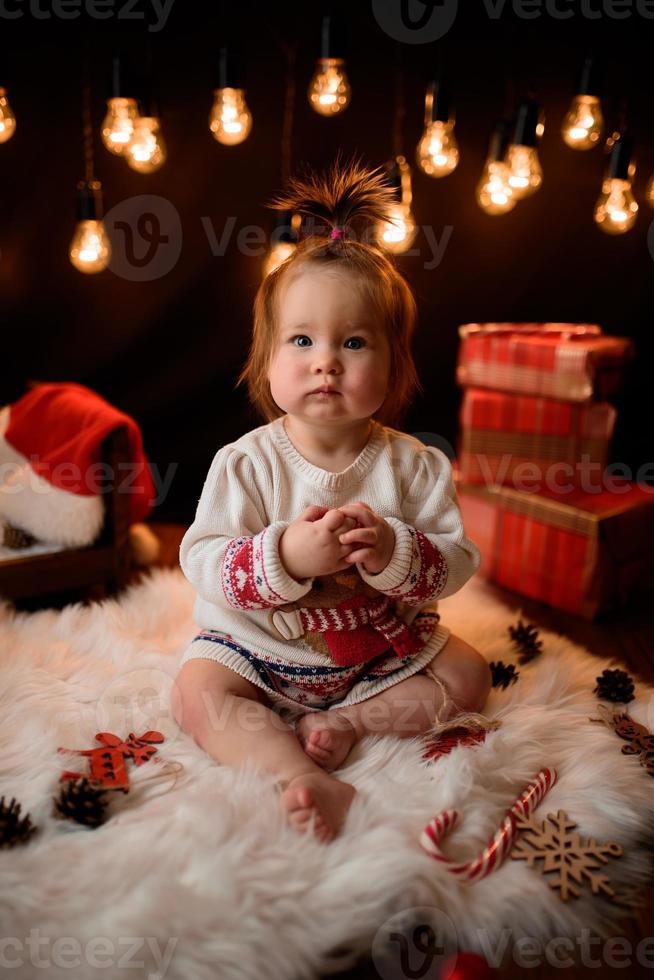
374, 538
310, 545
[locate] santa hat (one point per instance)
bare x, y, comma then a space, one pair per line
51, 485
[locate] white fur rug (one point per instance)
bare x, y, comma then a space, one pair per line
196, 875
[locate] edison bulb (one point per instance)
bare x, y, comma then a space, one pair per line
583, 124
398, 232
146, 150
118, 124
525, 174
230, 120
494, 193
7, 118
438, 150
650, 191
279, 252
329, 89
616, 208
90, 250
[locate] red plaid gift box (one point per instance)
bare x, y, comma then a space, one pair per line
579, 551
573, 362
505, 438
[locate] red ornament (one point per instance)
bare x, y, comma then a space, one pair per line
108, 764
466, 966
450, 739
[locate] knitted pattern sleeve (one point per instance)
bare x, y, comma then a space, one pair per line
433, 557
230, 554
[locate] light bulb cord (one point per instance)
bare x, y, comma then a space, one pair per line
400, 108
290, 50
87, 123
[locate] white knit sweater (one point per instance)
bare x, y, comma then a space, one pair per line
259, 484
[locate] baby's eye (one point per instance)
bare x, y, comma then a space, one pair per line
359, 340
301, 336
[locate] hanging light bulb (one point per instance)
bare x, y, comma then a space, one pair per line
146, 150
90, 250
7, 118
397, 233
583, 124
118, 124
494, 193
650, 191
616, 207
438, 151
283, 241
230, 120
525, 174
329, 89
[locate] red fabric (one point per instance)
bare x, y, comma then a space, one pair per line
60, 427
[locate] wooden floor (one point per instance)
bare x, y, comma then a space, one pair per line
627, 635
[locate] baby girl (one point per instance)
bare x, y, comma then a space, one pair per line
323, 538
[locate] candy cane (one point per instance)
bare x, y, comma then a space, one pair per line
500, 844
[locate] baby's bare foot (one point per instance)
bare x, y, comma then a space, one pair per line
326, 738
320, 796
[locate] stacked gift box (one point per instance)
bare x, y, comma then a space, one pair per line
550, 520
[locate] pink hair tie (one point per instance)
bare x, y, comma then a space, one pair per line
336, 233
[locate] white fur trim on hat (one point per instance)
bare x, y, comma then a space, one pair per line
49, 514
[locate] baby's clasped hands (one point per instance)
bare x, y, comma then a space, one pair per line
373, 538
310, 546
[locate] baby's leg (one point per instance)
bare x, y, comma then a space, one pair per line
406, 709
228, 717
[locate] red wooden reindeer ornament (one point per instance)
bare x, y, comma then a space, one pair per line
108, 763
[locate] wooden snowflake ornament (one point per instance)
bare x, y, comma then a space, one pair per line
575, 860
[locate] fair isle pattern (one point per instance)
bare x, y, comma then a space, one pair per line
427, 573
319, 687
243, 574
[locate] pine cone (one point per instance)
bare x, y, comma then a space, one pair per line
525, 637
81, 801
503, 674
13, 829
14, 537
615, 685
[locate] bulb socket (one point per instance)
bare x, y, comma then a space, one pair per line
332, 37
440, 100
499, 140
89, 200
122, 84
620, 158
394, 179
590, 78
284, 230
526, 123
229, 73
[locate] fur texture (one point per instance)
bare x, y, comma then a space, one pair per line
199, 868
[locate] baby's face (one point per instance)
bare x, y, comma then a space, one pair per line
327, 335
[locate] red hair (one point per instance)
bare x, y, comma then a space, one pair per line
346, 197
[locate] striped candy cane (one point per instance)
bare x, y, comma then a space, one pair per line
503, 840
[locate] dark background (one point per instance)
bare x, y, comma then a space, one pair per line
168, 351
